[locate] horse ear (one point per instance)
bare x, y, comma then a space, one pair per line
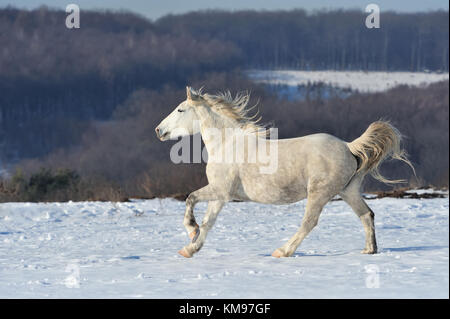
188, 93
191, 94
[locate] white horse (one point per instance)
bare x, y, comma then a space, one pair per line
317, 167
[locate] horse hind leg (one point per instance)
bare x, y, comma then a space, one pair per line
355, 200
314, 206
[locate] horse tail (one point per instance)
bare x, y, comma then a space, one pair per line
380, 141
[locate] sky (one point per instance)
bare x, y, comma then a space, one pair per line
154, 9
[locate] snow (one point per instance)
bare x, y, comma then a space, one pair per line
129, 250
355, 80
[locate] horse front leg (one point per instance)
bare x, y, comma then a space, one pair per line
214, 207
189, 221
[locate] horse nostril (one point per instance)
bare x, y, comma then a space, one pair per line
157, 130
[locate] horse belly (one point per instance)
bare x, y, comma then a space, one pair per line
269, 190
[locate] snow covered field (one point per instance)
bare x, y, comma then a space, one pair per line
129, 250
355, 80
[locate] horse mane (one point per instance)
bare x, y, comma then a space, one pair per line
236, 109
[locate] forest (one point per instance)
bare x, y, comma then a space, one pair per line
78, 108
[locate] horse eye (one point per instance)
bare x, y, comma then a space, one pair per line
180, 110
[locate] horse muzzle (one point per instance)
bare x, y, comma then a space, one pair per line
161, 134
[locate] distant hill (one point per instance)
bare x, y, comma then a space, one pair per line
59, 88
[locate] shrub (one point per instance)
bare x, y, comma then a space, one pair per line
42, 185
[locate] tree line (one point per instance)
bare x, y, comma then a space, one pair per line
53, 78
84, 102
335, 39
122, 158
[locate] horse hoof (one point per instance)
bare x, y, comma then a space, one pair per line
368, 251
184, 253
277, 253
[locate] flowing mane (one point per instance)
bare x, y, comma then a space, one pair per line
236, 109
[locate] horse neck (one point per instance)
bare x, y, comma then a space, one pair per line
215, 130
